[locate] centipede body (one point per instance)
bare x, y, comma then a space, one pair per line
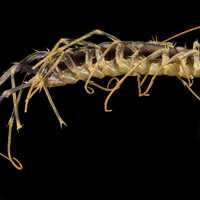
76, 60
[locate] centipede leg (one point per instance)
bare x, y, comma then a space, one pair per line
189, 88
38, 80
34, 84
18, 123
98, 86
61, 121
53, 66
68, 43
132, 69
93, 68
139, 85
183, 67
88, 35
195, 52
145, 93
165, 58
9, 92
15, 162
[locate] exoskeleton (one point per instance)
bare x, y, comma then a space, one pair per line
71, 61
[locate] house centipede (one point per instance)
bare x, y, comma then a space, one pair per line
71, 61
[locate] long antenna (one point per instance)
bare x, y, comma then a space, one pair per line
182, 33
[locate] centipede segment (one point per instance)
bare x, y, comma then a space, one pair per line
71, 61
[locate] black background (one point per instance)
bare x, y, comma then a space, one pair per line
143, 140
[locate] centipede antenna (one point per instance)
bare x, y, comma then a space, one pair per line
69, 44
14, 161
182, 33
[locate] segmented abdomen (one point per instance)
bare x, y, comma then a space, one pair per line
114, 59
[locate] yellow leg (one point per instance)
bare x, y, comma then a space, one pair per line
53, 66
94, 32
98, 86
61, 121
146, 75
107, 88
145, 93
15, 162
132, 69
93, 68
189, 88
35, 82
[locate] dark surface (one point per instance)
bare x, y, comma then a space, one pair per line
143, 140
